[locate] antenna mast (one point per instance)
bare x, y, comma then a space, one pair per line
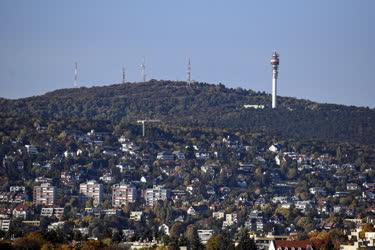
143, 69
123, 75
76, 75
189, 72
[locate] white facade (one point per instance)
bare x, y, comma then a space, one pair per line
154, 194
205, 235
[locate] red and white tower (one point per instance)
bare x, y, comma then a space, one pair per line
275, 71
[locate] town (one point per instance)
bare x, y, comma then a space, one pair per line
178, 187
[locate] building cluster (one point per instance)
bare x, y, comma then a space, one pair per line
217, 182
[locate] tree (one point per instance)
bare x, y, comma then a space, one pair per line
245, 242
328, 245
215, 243
193, 238
220, 242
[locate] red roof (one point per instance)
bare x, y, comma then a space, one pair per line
21, 207
303, 244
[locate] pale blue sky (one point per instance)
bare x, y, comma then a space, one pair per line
326, 47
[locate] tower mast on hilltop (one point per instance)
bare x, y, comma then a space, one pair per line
189, 72
76, 75
143, 69
123, 75
275, 72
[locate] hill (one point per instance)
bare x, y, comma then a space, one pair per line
202, 104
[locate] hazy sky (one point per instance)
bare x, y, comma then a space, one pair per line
327, 48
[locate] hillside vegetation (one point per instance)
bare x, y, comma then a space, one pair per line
199, 105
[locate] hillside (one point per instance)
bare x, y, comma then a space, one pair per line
204, 105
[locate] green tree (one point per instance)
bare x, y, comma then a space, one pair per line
245, 242
193, 238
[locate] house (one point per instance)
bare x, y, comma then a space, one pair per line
230, 219
197, 210
106, 177
128, 233
136, 215
179, 155
352, 186
253, 106
218, 215
202, 155
274, 148
205, 235
17, 189
317, 190
166, 156
291, 244
5, 213
83, 230
58, 212
31, 149
366, 242
4, 225
55, 226
164, 229
20, 211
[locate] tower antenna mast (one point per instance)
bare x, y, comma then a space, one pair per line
123, 75
189, 72
76, 75
143, 69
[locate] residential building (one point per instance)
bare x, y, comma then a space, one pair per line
205, 235
218, 215
357, 242
155, 194
44, 194
123, 193
4, 225
290, 244
93, 190
31, 149
167, 156
136, 215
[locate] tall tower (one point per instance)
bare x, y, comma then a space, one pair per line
76, 75
189, 72
143, 69
275, 71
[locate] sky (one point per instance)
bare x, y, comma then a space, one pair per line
326, 48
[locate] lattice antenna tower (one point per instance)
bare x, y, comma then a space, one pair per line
143, 69
76, 75
189, 72
123, 75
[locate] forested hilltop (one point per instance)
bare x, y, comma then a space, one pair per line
201, 104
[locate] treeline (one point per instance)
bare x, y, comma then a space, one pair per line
200, 105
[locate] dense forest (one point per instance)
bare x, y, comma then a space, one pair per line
196, 105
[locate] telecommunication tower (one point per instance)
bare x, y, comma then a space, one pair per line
275, 72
